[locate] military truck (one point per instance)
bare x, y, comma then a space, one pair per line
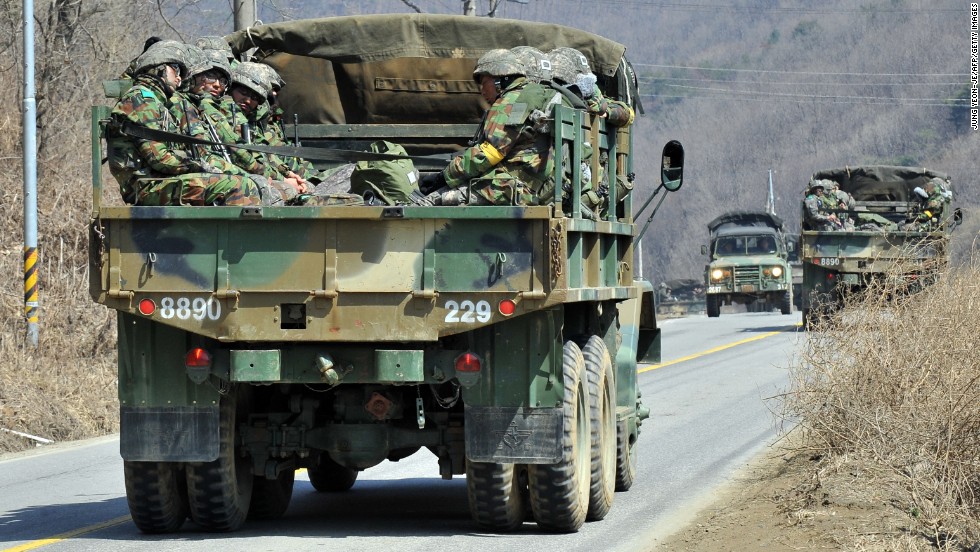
878, 243
680, 297
504, 340
748, 263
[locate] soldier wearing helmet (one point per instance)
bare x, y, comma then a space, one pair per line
571, 68
815, 214
536, 63
150, 172
511, 161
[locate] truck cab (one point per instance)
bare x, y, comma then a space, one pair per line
748, 263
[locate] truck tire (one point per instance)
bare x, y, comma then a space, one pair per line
327, 476
496, 494
560, 492
786, 304
713, 306
220, 491
602, 419
157, 495
270, 497
626, 459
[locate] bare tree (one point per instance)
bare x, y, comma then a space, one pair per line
413, 6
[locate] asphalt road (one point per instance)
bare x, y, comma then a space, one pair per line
709, 417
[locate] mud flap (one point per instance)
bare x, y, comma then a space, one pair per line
169, 434
513, 434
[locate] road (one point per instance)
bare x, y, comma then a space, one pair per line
708, 418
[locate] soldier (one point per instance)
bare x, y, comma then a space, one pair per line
512, 161
250, 91
160, 173
199, 114
932, 198
130, 72
537, 64
571, 68
840, 203
815, 209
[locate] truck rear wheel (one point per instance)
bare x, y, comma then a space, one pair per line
713, 306
270, 497
496, 493
560, 492
220, 491
786, 304
157, 495
602, 418
327, 476
626, 458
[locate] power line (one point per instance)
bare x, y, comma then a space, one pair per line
649, 80
760, 9
803, 100
819, 96
778, 72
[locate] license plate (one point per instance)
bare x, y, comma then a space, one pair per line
748, 287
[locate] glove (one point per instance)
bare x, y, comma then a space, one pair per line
431, 182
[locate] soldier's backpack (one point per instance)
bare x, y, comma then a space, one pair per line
391, 181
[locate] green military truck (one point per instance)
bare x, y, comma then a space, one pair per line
257, 341
748, 263
878, 240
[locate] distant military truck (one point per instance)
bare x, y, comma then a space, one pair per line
877, 237
680, 297
748, 263
503, 340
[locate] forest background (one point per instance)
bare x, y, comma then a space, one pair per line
748, 86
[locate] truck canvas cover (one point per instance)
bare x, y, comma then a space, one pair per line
881, 182
407, 68
742, 220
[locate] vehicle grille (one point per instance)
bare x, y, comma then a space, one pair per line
746, 275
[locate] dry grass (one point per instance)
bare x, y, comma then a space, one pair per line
891, 384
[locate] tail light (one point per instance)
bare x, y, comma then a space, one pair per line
468, 368
197, 358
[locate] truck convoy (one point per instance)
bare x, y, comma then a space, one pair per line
255, 341
748, 263
878, 236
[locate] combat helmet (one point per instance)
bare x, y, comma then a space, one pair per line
165, 52
271, 77
216, 43
567, 64
195, 60
814, 184
250, 76
536, 63
498, 63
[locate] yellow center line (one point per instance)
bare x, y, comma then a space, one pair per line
65, 536
709, 351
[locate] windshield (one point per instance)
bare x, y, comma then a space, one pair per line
745, 245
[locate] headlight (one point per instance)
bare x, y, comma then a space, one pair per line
717, 274
777, 271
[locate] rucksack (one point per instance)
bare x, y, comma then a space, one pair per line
391, 181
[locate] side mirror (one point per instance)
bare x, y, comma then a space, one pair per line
790, 246
704, 249
672, 166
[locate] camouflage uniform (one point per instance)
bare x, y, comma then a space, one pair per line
512, 162
932, 210
815, 210
160, 173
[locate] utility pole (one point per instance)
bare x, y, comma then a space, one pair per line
31, 303
246, 13
469, 7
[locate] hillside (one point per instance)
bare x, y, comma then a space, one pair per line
779, 85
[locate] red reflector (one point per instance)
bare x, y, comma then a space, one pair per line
830, 276
506, 307
147, 307
468, 362
197, 357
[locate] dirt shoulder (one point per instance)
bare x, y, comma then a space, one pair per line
789, 501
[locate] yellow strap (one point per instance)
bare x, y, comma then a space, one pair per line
928, 213
492, 153
632, 115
